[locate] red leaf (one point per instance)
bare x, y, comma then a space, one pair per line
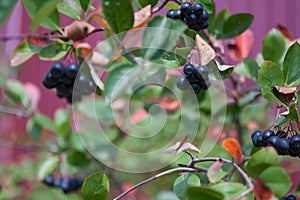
37, 41
261, 192
168, 103
242, 46
139, 116
232, 146
285, 32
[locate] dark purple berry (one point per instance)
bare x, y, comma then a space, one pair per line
291, 197
267, 134
196, 87
256, 133
49, 180
203, 25
72, 70
49, 81
204, 15
63, 90
192, 19
295, 142
198, 9
170, 13
177, 15
57, 70
203, 70
189, 69
182, 83
186, 8
258, 141
283, 146
57, 182
273, 140
66, 80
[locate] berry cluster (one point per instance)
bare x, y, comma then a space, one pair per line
283, 145
63, 78
290, 197
195, 16
196, 78
67, 184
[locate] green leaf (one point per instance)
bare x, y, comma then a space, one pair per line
161, 35
70, 8
78, 159
261, 160
298, 97
34, 129
118, 81
47, 167
216, 73
144, 3
229, 189
235, 25
95, 187
44, 11
6, 7
34, 7
118, 14
85, 4
52, 52
297, 192
217, 171
252, 67
293, 113
17, 92
270, 75
196, 193
21, 54
218, 23
183, 182
181, 54
62, 122
44, 121
291, 65
277, 179
273, 46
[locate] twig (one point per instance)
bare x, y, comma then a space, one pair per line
240, 170
160, 6
181, 169
15, 111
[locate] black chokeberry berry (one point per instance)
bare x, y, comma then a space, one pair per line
57, 70
258, 141
198, 9
204, 17
283, 146
291, 197
63, 90
57, 182
191, 19
273, 140
188, 69
182, 83
295, 142
72, 70
267, 134
256, 133
203, 70
170, 13
186, 8
49, 81
203, 25
196, 87
49, 181
177, 14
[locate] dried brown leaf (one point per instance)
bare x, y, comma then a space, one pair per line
205, 51
78, 30
142, 16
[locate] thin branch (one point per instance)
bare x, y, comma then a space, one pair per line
160, 6
181, 169
240, 170
15, 111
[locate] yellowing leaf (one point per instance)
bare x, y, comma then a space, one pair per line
205, 51
232, 146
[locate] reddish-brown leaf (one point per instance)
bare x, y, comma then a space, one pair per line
168, 103
285, 32
139, 116
78, 30
232, 146
261, 192
182, 146
84, 47
142, 16
287, 92
242, 46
